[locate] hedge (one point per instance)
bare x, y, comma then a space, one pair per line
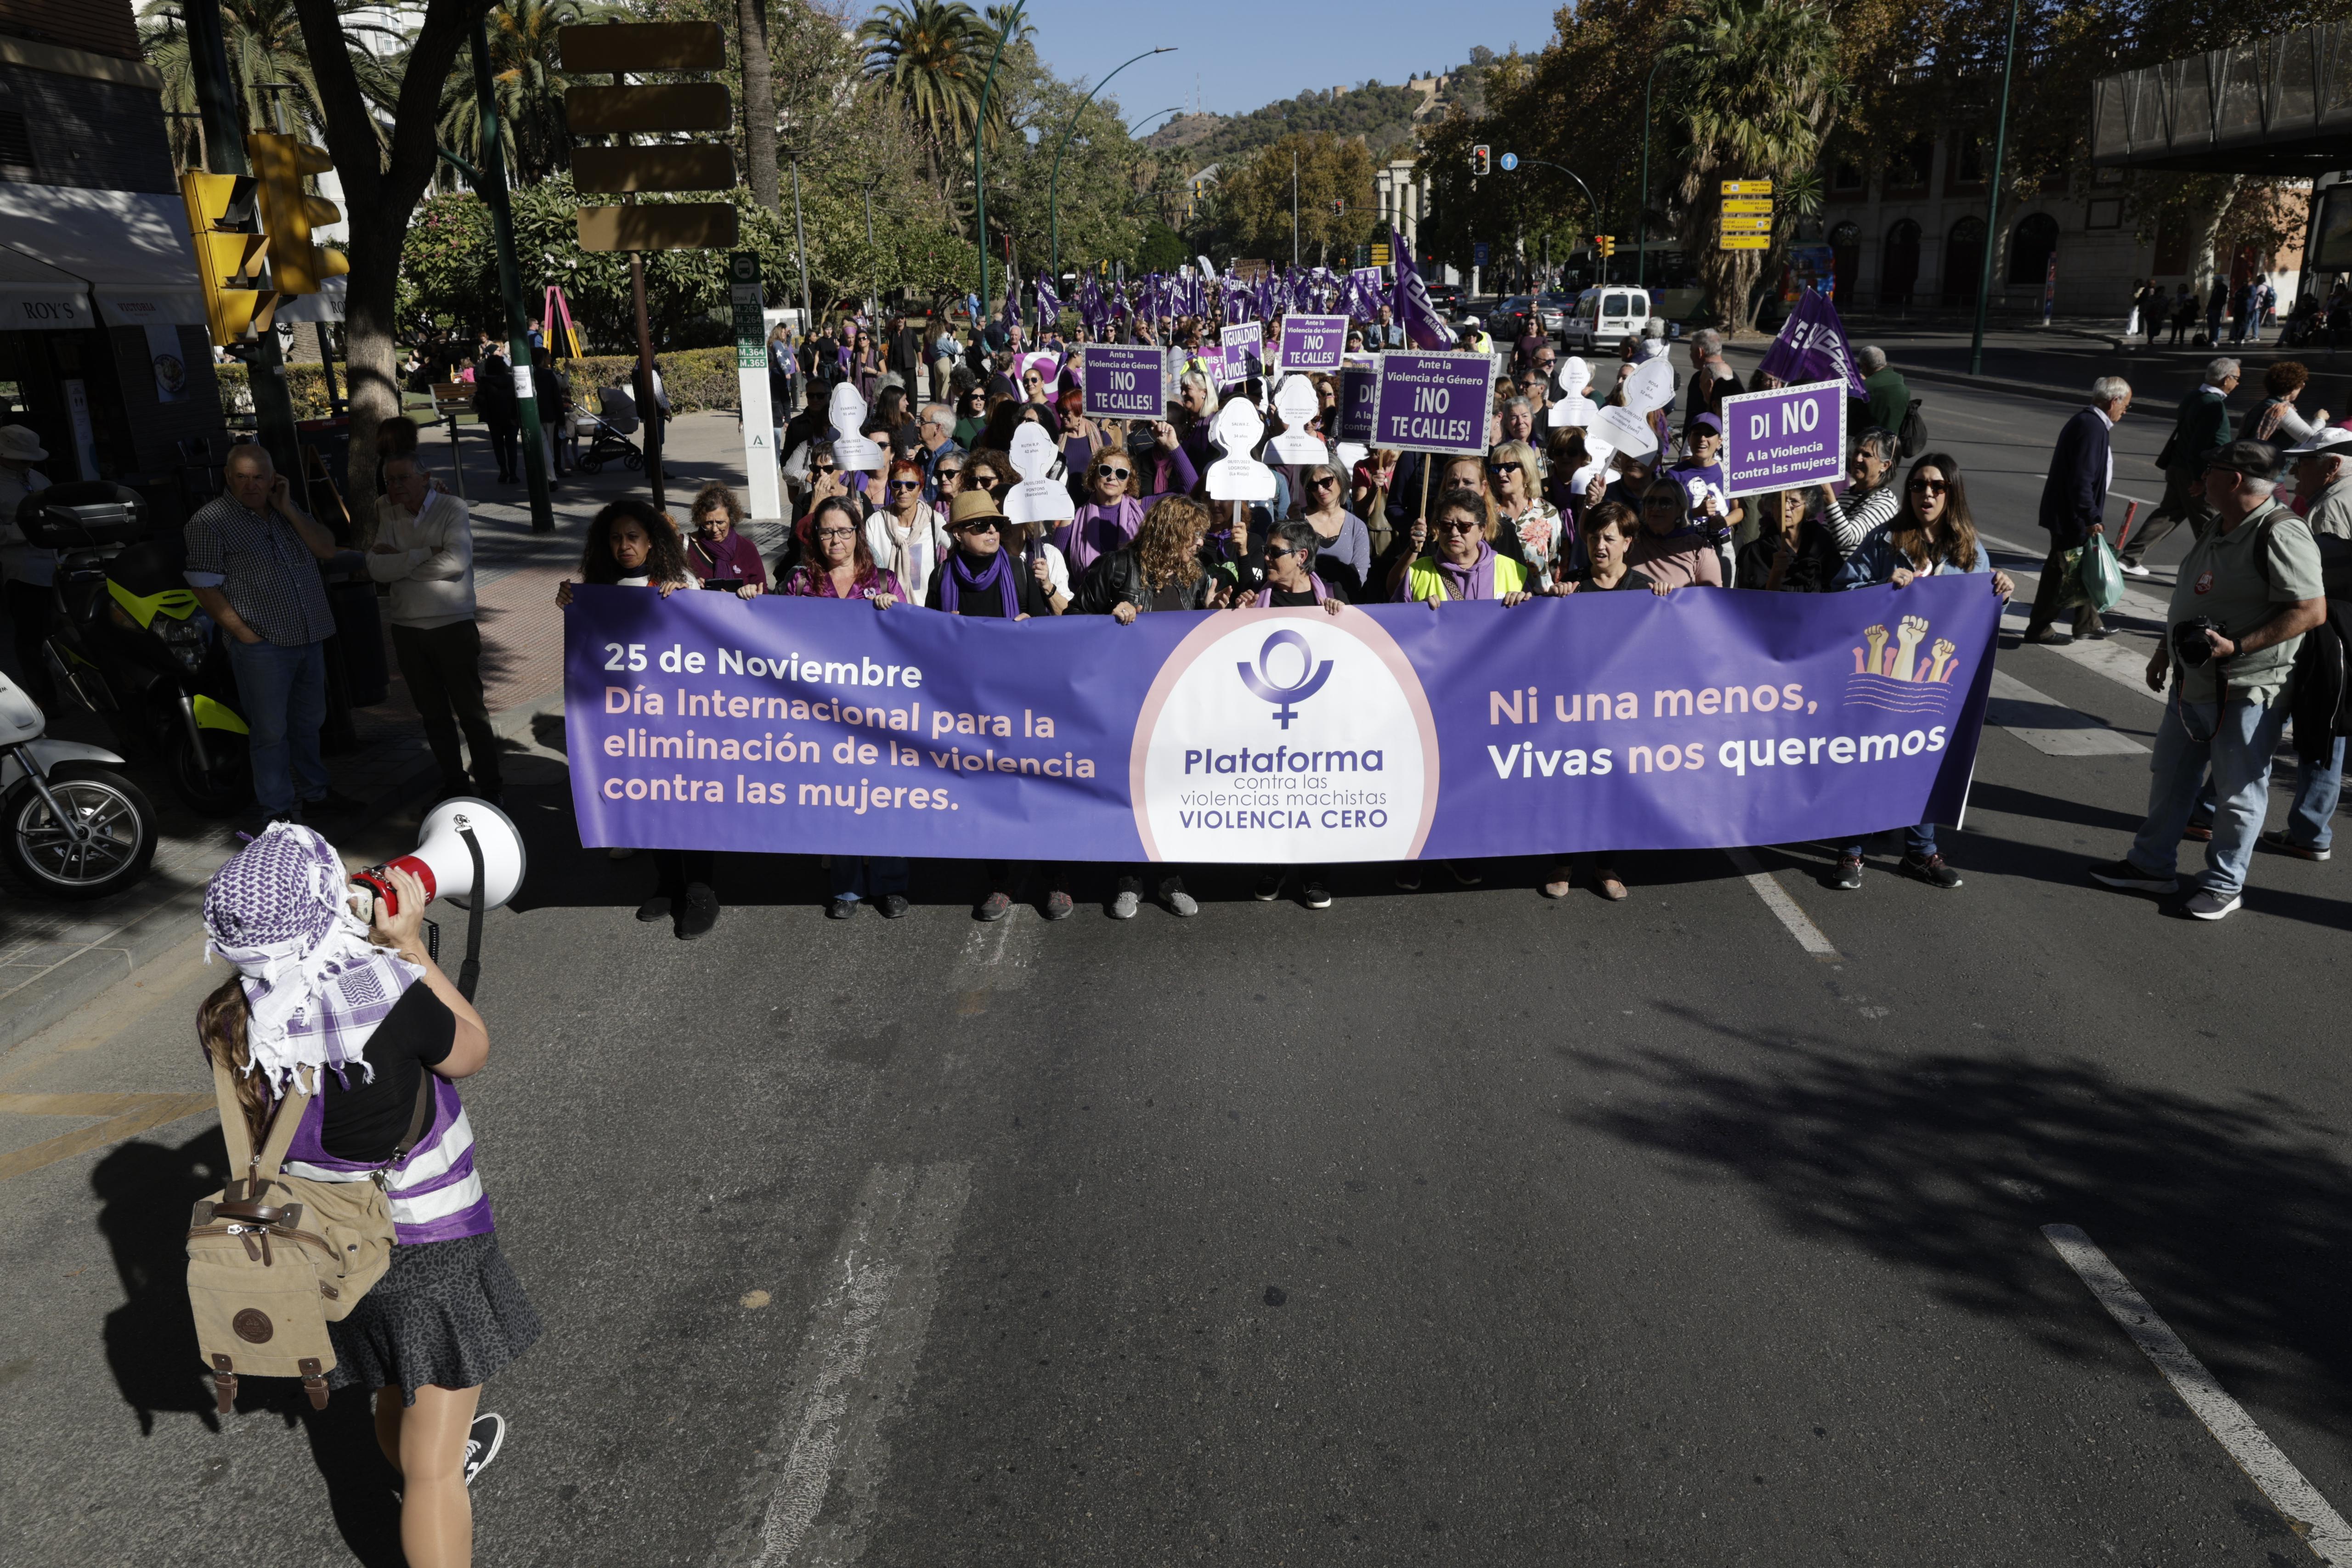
696, 379
308, 383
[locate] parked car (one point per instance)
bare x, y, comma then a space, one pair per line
1556, 307
1446, 296
1510, 319
1604, 316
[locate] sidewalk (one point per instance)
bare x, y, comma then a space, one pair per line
55, 957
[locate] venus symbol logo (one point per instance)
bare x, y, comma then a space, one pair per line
1261, 683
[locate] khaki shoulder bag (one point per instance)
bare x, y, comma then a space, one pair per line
273, 1258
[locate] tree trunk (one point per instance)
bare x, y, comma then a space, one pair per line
381, 190
759, 101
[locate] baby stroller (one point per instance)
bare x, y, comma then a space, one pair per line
611, 426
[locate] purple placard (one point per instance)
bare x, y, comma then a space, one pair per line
1430, 401
1126, 381
1783, 439
1312, 342
1220, 363
1275, 737
1245, 345
1359, 390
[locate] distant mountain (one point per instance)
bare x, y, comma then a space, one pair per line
1185, 129
1382, 115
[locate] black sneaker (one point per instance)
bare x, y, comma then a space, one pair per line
654, 908
1849, 874
841, 909
1313, 895
2124, 875
1408, 877
1268, 888
483, 1440
893, 905
1930, 870
698, 914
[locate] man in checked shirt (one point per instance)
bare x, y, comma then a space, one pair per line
253, 559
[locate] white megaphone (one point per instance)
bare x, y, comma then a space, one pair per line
442, 861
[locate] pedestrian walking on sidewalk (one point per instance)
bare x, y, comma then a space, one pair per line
2074, 503
425, 551
2248, 590
2200, 426
320, 992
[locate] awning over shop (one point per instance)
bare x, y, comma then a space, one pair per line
37, 298
130, 247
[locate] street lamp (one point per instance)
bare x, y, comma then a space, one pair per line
1992, 201
1642, 195
1054, 184
980, 144
1153, 116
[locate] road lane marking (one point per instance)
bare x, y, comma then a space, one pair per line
855, 1365
126, 1116
1784, 909
2049, 725
2307, 1513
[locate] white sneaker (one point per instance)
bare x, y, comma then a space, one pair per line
2132, 569
2204, 905
1128, 901
483, 1440
1180, 903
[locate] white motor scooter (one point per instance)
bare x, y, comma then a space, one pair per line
70, 827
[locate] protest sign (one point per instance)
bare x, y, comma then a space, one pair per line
1785, 438
1622, 430
1360, 389
1275, 736
1126, 381
1295, 406
1039, 497
1244, 346
1238, 475
1312, 342
1433, 402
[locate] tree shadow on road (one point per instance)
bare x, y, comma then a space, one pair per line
147, 1190
2233, 1218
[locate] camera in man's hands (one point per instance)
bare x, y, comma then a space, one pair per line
1142, 439
2192, 645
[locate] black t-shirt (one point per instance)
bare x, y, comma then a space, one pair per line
1283, 598
1028, 591
367, 1121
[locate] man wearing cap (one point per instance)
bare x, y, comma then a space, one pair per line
2074, 503
2201, 425
253, 559
29, 569
2254, 574
2323, 482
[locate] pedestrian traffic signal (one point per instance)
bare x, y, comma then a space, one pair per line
297, 265
1481, 158
229, 253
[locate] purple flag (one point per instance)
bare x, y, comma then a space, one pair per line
1425, 328
1049, 307
1091, 310
1011, 301
1811, 347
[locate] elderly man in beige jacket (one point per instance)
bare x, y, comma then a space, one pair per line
424, 549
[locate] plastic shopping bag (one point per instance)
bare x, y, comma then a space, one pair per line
2101, 578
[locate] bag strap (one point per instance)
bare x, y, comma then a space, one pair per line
257, 1166
421, 1114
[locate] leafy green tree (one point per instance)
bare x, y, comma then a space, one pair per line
528, 83
1334, 200
263, 42
929, 59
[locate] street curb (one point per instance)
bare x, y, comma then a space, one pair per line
172, 925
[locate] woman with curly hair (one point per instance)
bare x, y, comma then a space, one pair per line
719, 552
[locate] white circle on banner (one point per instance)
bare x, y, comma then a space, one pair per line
1284, 736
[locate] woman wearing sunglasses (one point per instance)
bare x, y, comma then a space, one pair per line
1114, 509
1671, 551
1527, 527
1933, 535
906, 535
1343, 548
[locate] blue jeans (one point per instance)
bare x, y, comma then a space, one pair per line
1919, 842
2237, 743
284, 691
2311, 820
872, 877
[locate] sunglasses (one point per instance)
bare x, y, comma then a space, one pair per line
1116, 473
949, 473
1458, 526
1324, 482
1928, 487
985, 526
1276, 552
824, 468
906, 484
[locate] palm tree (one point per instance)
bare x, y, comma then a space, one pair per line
1756, 91
1002, 23
263, 42
927, 58
529, 85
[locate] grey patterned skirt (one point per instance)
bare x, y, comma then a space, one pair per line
449, 1313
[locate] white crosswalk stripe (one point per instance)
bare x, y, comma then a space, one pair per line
2049, 725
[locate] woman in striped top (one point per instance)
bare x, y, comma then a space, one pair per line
1870, 502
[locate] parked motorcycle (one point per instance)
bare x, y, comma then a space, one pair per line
70, 827
130, 640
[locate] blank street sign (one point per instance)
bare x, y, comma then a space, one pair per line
678, 166
634, 111
667, 225
633, 46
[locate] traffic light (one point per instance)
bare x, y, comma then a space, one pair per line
289, 214
1481, 158
1605, 243
228, 254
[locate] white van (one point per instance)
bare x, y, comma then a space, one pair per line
1606, 314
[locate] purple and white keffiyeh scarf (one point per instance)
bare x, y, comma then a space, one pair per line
279, 910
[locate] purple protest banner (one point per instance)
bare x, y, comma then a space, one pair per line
1275, 736
1312, 342
1126, 381
1431, 401
1245, 345
1360, 392
1811, 347
1785, 439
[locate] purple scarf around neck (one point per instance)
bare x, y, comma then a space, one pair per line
959, 579
1476, 580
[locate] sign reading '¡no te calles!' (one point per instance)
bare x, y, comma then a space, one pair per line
1433, 402
1125, 381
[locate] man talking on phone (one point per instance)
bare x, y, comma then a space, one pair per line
253, 559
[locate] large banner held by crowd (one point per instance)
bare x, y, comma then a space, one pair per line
1289, 735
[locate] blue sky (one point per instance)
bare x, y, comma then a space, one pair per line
1240, 54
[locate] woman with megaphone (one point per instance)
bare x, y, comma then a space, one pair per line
356, 1022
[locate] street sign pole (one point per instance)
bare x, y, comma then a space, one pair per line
752, 383
493, 187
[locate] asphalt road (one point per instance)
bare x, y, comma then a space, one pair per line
1450, 1226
